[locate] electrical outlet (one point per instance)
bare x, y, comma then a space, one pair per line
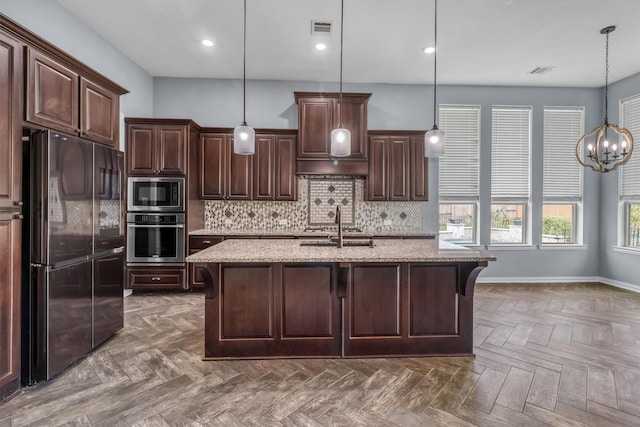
282, 221
228, 222
388, 222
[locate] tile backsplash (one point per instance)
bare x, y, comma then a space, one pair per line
318, 197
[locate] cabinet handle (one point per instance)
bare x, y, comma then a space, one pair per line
155, 279
17, 216
18, 203
206, 242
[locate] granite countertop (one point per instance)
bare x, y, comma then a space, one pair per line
290, 250
309, 233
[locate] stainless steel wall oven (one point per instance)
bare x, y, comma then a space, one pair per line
155, 237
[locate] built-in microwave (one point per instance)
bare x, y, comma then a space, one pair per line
155, 194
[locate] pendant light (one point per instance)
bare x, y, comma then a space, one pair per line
434, 139
607, 146
244, 137
340, 136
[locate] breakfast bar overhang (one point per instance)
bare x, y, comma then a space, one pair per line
281, 298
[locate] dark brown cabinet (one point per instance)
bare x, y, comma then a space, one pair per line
272, 310
156, 147
196, 244
274, 174
61, 98
397, 167
269, 174
153, 277
10, 226
318, 115
223, 174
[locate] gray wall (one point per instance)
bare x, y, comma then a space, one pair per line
615, 265
49, 20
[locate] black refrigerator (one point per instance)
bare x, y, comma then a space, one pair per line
73, 243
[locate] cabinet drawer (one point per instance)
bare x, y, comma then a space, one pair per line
153, 278
203, 242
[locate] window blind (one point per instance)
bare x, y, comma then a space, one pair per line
630, 172
460, 165
510, 152
562, 172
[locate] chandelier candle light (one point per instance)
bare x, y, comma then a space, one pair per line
244, 137
434, 139
341, 137
607, 146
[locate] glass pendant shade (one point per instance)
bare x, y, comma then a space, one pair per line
434, 143
605, 148
340, 142
244, 140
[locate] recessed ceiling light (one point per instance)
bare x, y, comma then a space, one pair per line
207, 43
429, 49
321, 46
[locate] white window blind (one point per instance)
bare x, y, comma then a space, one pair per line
510, 152
460, 165
630, 172
562, 172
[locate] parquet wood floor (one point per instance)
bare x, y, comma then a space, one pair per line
558, 355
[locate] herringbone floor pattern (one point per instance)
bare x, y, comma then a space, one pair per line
559, 355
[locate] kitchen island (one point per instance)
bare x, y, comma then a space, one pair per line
274, 298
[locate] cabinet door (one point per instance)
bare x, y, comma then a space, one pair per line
354, 118
286, 178
141, 150
52, 93
240, 174
377, 181
171, 150
419, 171
265, 165
316, 122
99, 109
9, 305
10, 122
398, 168
212, 154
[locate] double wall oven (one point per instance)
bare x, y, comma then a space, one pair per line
155, 220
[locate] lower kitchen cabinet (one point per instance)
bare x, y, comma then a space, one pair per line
196, 244
156, 277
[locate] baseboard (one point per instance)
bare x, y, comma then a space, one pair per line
560, 279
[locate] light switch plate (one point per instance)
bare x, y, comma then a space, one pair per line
282, 222
388, 222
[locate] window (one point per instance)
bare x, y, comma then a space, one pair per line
510, 174
460, 173
563, 175
630, 174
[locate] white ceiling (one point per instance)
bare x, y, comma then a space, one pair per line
480, 42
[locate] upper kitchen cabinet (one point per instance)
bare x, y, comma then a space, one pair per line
274, 173
318, 115
156, 147
10, 122
397, 166
62, 96
223, 174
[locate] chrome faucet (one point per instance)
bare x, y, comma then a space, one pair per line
339, 222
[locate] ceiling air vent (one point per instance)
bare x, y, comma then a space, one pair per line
541, 70
320, 27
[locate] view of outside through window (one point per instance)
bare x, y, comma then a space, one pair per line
558, 223
457, 222
634, 225
506, 223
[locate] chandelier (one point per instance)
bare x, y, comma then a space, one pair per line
607, 146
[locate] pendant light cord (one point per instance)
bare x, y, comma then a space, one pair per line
606, 81
244, 64
341, 40
435, 60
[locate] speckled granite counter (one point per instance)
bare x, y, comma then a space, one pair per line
302, 233
290, 250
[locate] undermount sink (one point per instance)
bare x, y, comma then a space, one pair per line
322, 243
